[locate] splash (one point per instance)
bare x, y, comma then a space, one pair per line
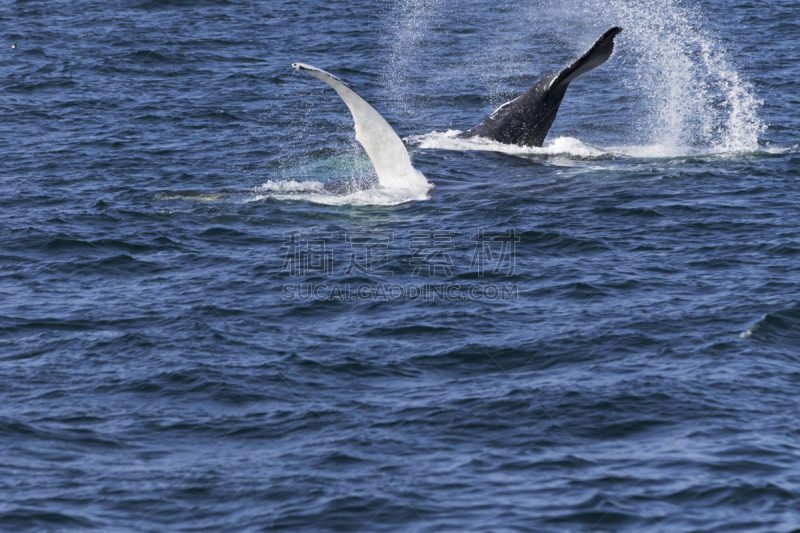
694, 100
412, 22
673, 90
344, 178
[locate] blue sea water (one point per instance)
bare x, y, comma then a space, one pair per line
198, 334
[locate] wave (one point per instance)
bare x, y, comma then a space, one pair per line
778, 329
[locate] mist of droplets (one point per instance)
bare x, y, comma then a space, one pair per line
686, 96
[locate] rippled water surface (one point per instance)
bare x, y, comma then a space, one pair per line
213, 317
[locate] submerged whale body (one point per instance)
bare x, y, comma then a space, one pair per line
526, 120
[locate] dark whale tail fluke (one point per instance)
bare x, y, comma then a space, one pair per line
595, 56
527, 119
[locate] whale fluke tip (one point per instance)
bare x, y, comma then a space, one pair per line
304, 67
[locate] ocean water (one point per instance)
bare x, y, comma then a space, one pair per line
214, 318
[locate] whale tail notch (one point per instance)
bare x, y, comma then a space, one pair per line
527, 119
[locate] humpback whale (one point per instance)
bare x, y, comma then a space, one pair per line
526, 120
383, 146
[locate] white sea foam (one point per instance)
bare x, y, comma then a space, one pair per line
355, 178
315, 192
289, 186
565, 146
449, 141
782, 149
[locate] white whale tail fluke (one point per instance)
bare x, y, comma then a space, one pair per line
384, 147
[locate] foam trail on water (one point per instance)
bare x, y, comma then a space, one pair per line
290, 186
558, 146
315, 192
